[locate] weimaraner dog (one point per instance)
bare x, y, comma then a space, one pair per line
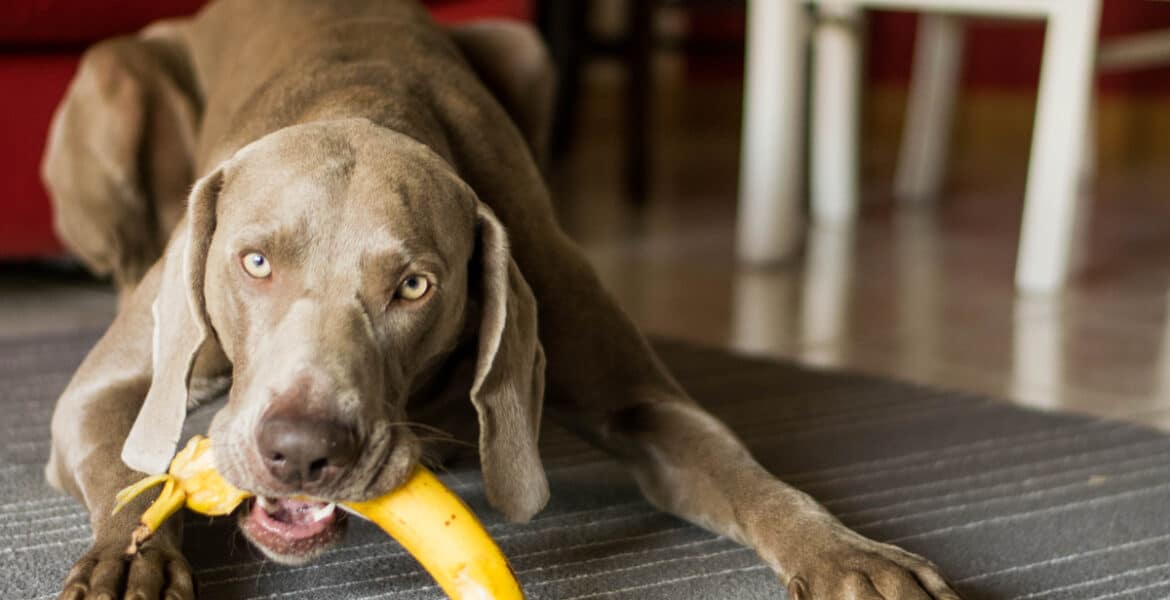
334, 212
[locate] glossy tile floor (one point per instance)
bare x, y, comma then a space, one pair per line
923, 295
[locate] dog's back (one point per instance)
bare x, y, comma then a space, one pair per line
267, 65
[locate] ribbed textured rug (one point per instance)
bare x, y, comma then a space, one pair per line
1010, 503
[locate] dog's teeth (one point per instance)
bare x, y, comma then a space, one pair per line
268, 505
323, 512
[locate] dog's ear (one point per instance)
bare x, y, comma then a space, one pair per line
181, 328
119, 161
508, 389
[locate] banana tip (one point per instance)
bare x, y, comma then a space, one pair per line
137, 538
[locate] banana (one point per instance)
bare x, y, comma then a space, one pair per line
192, 481
426, 517
438, 529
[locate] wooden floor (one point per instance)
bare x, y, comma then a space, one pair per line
923, 295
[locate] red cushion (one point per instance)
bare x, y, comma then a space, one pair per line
26, 223
70, 22
454, 11
74, 22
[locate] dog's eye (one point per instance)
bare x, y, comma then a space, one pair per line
413, 287
257, 265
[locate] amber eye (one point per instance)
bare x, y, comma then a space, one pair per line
257, 265
413, 287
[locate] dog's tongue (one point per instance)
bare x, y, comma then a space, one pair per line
292, 519
298, 512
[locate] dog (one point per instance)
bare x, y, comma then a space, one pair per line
334, 213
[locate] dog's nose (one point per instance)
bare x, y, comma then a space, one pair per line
306, 452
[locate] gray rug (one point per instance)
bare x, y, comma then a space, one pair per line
1010, 503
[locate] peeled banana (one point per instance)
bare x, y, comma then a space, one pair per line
427, 518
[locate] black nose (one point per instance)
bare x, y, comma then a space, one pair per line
304, 451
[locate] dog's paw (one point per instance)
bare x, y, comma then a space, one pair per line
107, 573
854, 567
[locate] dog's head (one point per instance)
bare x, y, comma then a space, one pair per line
336, 265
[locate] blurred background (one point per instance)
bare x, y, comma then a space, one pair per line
647, 176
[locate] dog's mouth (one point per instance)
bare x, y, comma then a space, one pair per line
292, 530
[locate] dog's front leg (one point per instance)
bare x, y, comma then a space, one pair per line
605, 382
90, 424
105, 572
688, 463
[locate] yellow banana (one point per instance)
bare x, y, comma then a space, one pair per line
192, 481
428, 519
438, 529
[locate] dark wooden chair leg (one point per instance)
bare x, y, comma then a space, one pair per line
571, 44
563, 25
639, 49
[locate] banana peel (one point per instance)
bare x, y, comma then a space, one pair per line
423, 515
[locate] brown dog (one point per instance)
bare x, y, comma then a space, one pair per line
343, 255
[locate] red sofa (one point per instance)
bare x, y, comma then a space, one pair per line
40, 44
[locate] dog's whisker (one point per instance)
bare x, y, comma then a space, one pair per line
423, 427
446, 440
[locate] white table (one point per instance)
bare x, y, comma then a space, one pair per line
770, 217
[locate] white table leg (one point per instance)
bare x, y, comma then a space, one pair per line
1038, 343
930, 108
836, 98
770, 221
1054, 175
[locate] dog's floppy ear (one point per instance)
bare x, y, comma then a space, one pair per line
180, 330
119, 160
508, 389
